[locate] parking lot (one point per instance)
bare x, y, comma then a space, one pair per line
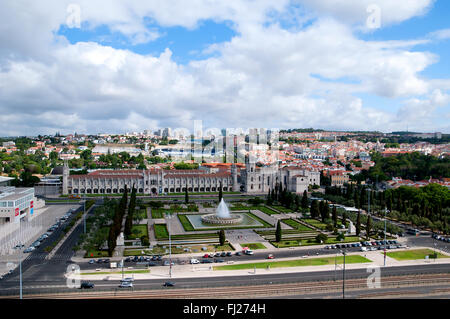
47, 223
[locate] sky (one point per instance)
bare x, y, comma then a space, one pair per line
122, 66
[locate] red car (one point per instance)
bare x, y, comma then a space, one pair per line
205, 256
270, 256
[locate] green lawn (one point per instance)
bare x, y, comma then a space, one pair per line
96, 254
254, 246
352, 259
282, 209
267, 210
137, 231
185, 222
414, 254
296, 225
142, 213
161, 231
315, 223
157, 213
292, 242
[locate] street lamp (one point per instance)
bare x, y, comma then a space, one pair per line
384, 236
343, 277
168, 217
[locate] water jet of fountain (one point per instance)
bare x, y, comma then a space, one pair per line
222, 210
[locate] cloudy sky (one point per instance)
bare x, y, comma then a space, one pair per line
117, 66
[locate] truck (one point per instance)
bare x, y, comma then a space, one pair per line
113, 265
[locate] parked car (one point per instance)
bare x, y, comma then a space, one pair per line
92, 261
194, 261
270, 256
228, 254
29, 249
87, 285
217, 255
151, 264
206, 261
105, 261
223, 254
205, 256
238, 253
168, 263
219, 260
249, 252
128, 259
128, 279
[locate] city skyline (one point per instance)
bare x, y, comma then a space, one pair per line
122, 67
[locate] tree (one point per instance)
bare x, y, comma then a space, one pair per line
358, 224
335, 218
220, 193
314, 209
305, 199
368, 227
321, 238
278, 234
186, 195
222, 237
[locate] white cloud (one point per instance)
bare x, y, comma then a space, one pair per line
265, 76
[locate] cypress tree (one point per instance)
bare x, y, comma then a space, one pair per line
222, 237
278, 234
335, 218
358, 224
305, 199
220, 193
186, 195
314, 209
368, 227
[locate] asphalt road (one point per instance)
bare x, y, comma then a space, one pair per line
43, 276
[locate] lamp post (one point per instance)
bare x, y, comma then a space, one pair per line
343, 278
384, 236
84, 213
169, 217
20, 256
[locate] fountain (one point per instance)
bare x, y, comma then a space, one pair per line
222, 216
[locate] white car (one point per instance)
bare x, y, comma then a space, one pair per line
363, 248
128, 279
194, 261
126, 284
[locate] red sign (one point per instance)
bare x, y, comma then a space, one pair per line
31, 204
17, 211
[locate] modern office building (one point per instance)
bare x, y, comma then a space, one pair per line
16, 203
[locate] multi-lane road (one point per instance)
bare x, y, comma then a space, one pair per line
44, 276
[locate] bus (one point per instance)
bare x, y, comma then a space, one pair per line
413, 231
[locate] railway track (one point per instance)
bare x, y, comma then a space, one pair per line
258, 291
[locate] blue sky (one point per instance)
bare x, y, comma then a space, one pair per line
185, 44
274, 64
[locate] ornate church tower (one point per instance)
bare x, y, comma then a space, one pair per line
236, 187
65, 178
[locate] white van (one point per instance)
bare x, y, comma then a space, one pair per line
249, 252
195, 261
363, 248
